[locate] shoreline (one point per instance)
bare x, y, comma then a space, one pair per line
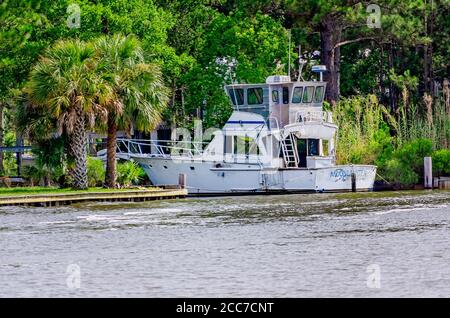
57, 199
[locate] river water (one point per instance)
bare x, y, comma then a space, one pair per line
318, 245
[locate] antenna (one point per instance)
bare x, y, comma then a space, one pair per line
289, 63
301, 62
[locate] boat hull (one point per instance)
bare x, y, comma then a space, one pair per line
210, 177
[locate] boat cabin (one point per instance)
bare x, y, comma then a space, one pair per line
291, 111
278, 100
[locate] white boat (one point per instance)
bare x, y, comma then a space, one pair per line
278, 139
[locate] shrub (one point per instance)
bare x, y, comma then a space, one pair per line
441, 162
406, 165
382, 145
49, 166
129, 173
412, 153
398, 172
95, 172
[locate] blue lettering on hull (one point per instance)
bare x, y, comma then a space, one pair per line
345, 174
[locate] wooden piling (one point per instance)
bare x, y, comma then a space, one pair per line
182, 180
428, 173
353, 182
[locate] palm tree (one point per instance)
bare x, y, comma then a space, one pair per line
64, 84
139, 93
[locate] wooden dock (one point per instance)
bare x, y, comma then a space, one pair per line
113, 196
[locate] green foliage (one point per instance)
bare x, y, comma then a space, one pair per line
366, 136
405, 81
441, 162
95, 172
9, 158
135, 90
129, 173
28, 27
397, 172
234, 47
382, 145
49, 166
414, 123
412, 153
406, 165
256, 43
356, 62
363, 134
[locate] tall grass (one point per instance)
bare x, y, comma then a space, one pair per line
360, 120
367, 129
432, 123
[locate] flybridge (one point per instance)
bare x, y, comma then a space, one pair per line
279, 97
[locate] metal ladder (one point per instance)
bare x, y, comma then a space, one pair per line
289, 148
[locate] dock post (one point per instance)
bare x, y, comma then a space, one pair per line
428, 173
353, 182
182, 180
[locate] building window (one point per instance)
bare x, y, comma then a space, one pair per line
275, 96
318, 95
308, 94
236, 95
297, 96
255, 96
285, 95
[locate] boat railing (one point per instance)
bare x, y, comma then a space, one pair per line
160, 148
303, 116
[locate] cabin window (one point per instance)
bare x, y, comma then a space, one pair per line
285, 95
238, 145
255, 96
318, 95
275, 96
308, 94
297, 96
251, 147
325, 150
245, 146
313, 147
237, 96
228, 144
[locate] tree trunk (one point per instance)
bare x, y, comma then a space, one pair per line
78, 145
330, 35
381, 74
19, 143
183, 109
1, 139
392, 89
111, 144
